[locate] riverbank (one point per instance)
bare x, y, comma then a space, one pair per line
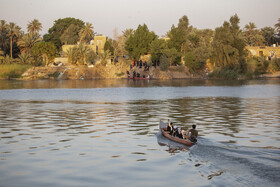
118, 71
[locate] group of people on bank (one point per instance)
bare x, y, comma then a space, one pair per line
140, 64
178, 132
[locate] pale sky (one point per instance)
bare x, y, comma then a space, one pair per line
158, 15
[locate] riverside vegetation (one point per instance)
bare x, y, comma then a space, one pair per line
184, 52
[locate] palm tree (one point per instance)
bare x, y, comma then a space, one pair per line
83, 51
269, 35
250, 27
104, 57
34, 26
3, 35
72, 55
28, 41
86, 34
13, 33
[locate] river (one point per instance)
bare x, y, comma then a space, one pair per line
105, 133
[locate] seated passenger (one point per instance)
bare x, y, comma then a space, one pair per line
175, 131
170, 128
179, 133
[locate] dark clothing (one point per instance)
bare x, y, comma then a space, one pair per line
193, 139
170, 129
180, 135
194, 133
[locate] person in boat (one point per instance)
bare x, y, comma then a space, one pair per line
184, 134
128, 74
192, 134
170, 128
179, 133
175, 131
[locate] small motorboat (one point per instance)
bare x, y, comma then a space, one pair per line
163, 127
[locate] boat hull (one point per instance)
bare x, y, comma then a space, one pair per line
166, 134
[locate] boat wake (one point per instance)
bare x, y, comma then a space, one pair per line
246, 165
236, 164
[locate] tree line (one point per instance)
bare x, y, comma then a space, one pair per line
30, 48
224, 46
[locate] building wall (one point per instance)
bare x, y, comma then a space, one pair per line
269, 52
97, 44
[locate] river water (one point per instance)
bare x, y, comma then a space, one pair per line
105, 133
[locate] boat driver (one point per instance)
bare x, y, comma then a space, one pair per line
192, 134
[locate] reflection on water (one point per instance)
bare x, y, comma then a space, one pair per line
109, 83
67, 141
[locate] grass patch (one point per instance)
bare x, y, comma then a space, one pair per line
229, 74
119, 74
10, 71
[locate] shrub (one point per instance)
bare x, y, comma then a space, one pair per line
275, 64
261, 66
91, 57
229, 74
164, 63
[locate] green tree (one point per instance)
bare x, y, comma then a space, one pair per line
229, 45
177, 38
158, 46
127, 33
44, 52
183, 24
70, 35
173, 55
139, 42
27, 41
34, 26
199, 48
178, 35
86, 34
60, 25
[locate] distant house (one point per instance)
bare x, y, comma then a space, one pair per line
264, 51
97, 45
